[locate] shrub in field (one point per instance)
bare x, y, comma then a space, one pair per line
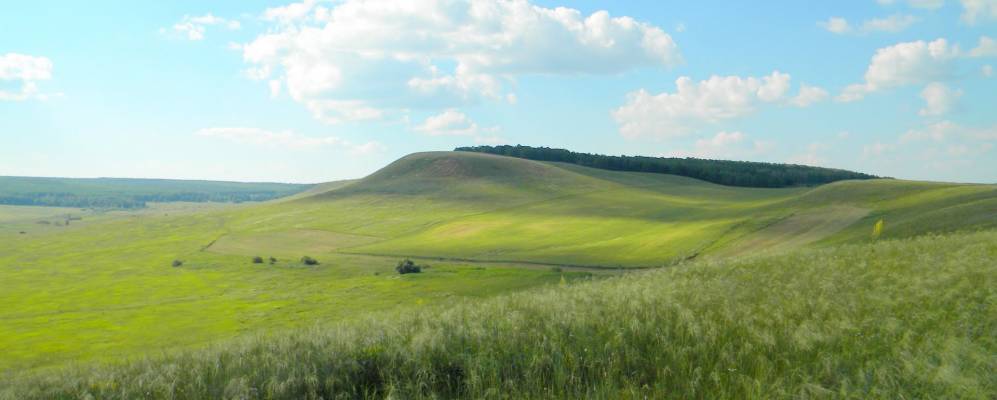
408, 267
257, 260
309, 261
177, 263
273, 260
877, 229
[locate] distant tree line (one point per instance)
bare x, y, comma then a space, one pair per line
70, 200
111, 193
122, 200
731, 173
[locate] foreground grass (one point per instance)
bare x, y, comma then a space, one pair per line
910, 318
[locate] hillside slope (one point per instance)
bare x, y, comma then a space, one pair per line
471, 206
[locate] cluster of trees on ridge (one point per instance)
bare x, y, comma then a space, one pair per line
731, 173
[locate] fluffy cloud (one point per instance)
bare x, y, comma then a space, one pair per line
290, 13
836, 25
938, 99
987, 47
23, 72
978, 10
193, 28
902, 64
384, 57
972, 10
285, 139
808, 95
694, 103
893, 23
451, 123
928, 4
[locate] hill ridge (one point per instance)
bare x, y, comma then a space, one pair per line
725, 172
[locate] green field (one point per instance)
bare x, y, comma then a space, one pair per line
102, 289
896, 319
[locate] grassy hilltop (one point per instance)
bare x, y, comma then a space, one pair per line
102, 289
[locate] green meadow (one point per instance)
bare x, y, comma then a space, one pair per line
545, 280
910, 318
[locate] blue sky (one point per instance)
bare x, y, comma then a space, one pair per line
318, 91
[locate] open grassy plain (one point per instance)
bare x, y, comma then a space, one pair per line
104, 290
909, 318
107, 289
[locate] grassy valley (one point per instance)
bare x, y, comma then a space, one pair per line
726, 292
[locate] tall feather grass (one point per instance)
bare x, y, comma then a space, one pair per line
910, 318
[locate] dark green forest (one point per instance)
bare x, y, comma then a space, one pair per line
730, 173
116, 193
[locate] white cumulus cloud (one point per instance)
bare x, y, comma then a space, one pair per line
902, 64
23, 72
836, 25
927, 4
938, 99
452, 123
695, 103
384, 57
193, 28
290, 13
973, 11
987, 47
978, 10
894, 23
808, 95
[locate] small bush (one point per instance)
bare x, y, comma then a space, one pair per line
309, 261
556, 269
177, 263
257, 260
273, 260
408, 267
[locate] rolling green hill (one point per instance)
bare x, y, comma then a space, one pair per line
470, 206
103, 289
